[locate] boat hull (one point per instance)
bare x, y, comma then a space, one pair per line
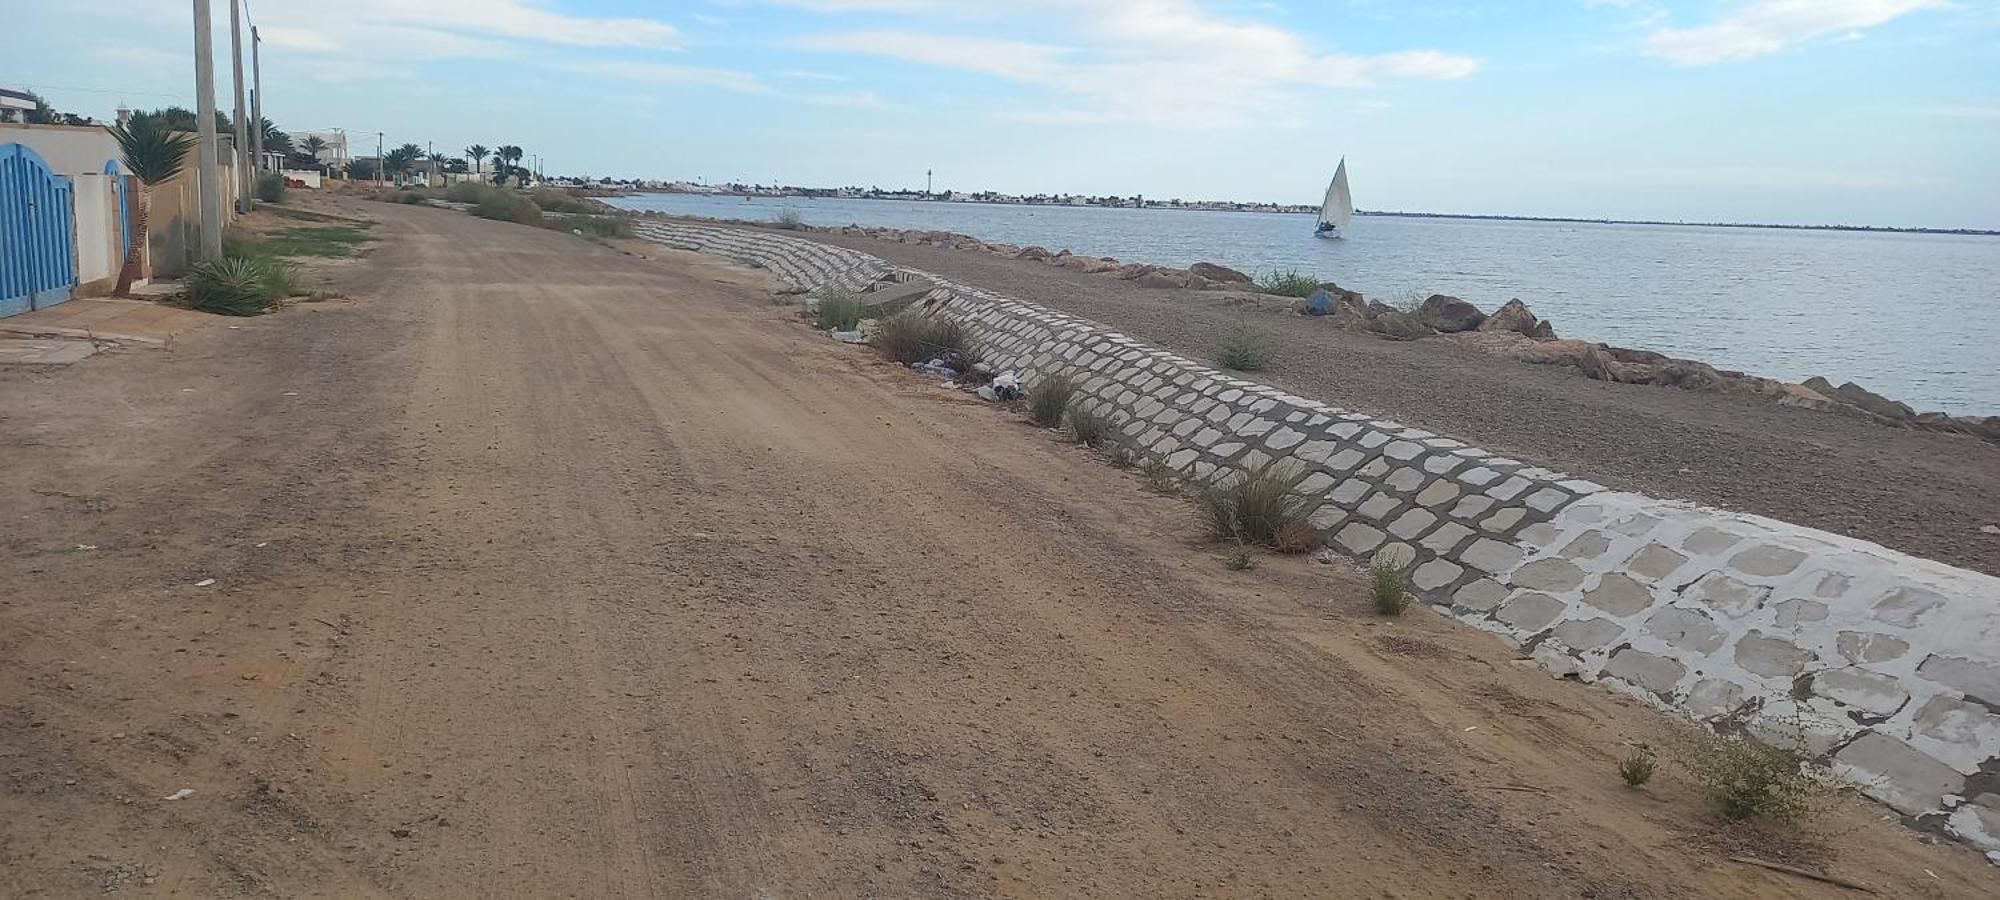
1331, 232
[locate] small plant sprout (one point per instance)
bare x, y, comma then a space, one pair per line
1089, 428
1387, 589
1160, 477
1239, 559
1637, 768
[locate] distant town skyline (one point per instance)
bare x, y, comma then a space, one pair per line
1863, 112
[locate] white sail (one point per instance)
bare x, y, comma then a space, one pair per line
1338, 208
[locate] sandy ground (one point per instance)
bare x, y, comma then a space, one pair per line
1919, 492
541, 570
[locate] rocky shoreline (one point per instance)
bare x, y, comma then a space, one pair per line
1512, 331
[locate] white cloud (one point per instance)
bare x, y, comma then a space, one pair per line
734, 80
398, 30
1763, 27
1156, 61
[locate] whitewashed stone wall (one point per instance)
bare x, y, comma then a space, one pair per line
1892, 662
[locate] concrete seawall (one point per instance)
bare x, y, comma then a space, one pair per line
1890, 662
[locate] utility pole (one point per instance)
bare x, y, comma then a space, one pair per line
378, 161
205, 150
257, 98
430, 162
927, 184
242, 136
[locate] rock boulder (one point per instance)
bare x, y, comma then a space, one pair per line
1512, 316
1035, 253
1399, 326
1220, 274
1162, 278
1449, 314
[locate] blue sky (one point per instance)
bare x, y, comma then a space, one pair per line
1856, 111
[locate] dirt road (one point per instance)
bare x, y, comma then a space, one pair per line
540, 570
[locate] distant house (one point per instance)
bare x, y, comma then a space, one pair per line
15, 105
335, 153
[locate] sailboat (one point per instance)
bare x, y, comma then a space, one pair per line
1338, 207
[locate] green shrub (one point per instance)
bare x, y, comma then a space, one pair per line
1239, 560
231, 286
910, 337
469, 192
1388, 592
507, 206
1747, 779
789, 220
1243, 349
838, 311
1049, 399
1289, 283
271, 187
1089, 428
408, 197
560, 201
594, 226
1636, 769
1253, 506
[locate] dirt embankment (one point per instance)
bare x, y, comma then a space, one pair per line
541, 570
1924, 493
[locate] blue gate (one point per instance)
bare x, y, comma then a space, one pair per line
37, 265
124, 210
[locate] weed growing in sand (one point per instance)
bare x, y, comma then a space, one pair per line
1289, 283
1121, 457
1388, 592
789, 220
1239, 560
1049, 399
1243, 349
1253, 506
1160, 477
909, 337
838, 311
1637, 769
1295, 536
1089, 428
1764, 780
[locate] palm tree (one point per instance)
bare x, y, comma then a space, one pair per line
276, 141
477, 153
154, 154
509, 155
313, 146
398, 161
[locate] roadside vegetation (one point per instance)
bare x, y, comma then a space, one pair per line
909, 337
1254, 507
838, 311
1388, 591
1769, 780
1088, 428
1243, 349
325, 241
1288, 283
271, 187
1049, 399
240, 285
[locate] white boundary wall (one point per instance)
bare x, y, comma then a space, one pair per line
1891, 661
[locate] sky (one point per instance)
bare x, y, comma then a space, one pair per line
1876, 112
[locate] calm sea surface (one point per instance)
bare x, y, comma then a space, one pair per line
1914, 317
